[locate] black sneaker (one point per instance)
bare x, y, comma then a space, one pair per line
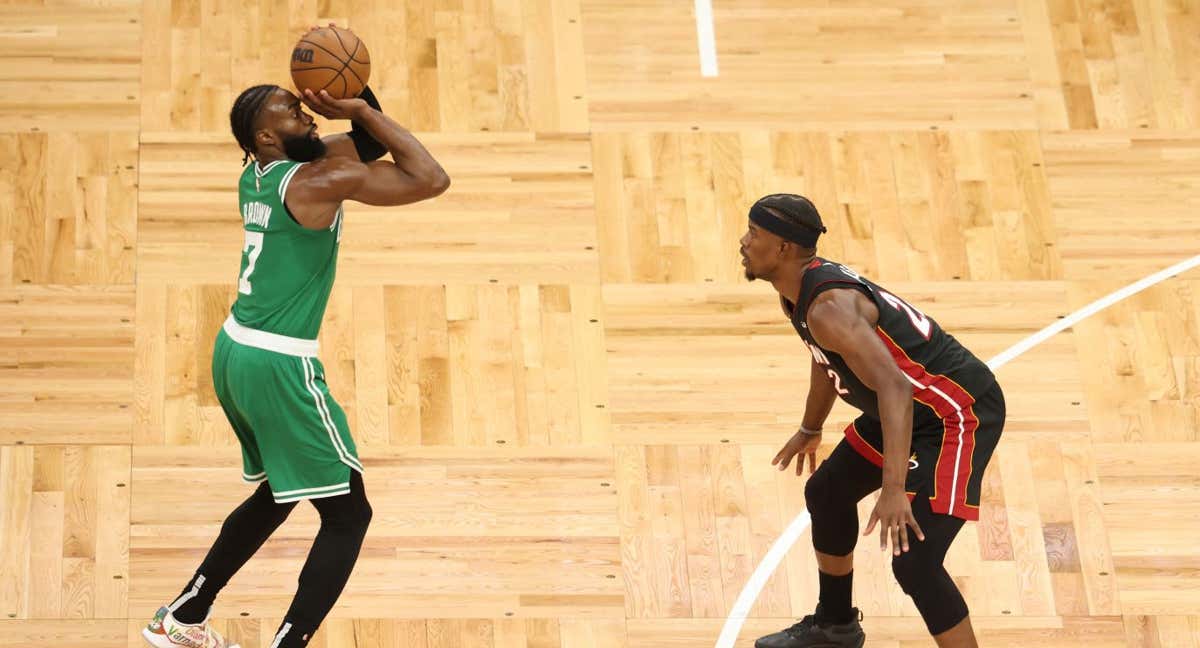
814, 632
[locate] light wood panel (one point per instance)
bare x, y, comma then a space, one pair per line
900, 64
457, 532
899, 206
68, 208
1149, 507
66, 360
520, 210
1127, 64
504, 632
1040, 632
460, 365
1125, 202
66, 532
70, 67
1053, 64
1148, 347
452, 67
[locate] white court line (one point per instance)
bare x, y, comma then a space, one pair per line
706, 38
745, 600
1091, 309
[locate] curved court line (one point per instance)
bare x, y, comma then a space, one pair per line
745, 600
1091, 309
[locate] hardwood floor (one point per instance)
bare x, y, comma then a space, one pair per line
564, 392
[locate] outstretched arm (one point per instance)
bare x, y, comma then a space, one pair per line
408, 155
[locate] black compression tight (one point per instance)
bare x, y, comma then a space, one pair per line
832, 495
344, 521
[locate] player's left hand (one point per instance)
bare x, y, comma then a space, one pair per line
894, 513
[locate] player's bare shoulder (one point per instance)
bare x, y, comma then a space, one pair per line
834, 313
331, 172
330, 179
320, 186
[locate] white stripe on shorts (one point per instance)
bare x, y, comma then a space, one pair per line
315, 489
310, 379
311, 496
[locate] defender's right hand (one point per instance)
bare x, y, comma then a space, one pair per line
800, 444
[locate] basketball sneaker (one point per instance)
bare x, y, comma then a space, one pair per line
814, 631
164, 631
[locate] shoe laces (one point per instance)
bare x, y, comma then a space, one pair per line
215, 637
209, 637
800, 629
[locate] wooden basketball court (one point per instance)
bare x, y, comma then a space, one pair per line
565, 394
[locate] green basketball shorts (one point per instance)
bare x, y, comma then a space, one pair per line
293, 433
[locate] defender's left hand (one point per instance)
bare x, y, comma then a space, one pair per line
894, 513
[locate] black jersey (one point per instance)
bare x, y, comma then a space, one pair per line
946, 377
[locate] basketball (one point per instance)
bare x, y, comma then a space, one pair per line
331, 59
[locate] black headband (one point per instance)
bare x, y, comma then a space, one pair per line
803, 234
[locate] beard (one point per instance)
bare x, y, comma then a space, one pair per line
750, 276
303, 148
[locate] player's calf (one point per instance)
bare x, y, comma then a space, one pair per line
932, 590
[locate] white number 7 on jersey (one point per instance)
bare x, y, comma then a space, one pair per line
254, 243
919, 321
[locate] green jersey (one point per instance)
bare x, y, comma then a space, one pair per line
287, 269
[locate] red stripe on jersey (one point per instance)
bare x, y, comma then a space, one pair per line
862, 447
917, 371
953, 405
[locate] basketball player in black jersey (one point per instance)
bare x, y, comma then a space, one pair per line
932, 414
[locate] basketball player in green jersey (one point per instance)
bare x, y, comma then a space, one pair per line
294, 437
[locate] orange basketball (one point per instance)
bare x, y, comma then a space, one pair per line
331, 59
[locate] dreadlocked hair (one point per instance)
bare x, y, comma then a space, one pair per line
795, 209
245, 112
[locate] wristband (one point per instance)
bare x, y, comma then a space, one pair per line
807, 432
367, 146
369, 97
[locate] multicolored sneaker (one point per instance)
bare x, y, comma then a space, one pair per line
164, 631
